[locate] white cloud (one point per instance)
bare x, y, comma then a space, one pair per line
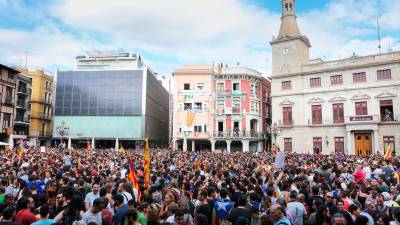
175, 32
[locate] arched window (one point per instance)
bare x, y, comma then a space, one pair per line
286, 7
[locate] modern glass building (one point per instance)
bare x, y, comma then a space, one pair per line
111, 102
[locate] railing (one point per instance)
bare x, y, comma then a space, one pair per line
391, 119
286, 124
42, 116
192, 92
362, 119
25, 91
21, 120
42, 100
8, 100
224, 93
239, 134
21, 104
191, 134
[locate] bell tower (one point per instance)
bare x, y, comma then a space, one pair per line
290, 50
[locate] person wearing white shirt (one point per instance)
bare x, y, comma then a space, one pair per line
91, 196
123, 188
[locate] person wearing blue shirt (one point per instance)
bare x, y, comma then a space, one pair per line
44, 216
120, 209
278, 214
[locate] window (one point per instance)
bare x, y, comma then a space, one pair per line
316, 114
386, 109
11, 75
6, 120
187, 106
197, 128
315, 82
337, 79
198, 106
205, 128
220, 86
338, 113
43, 131
186, 86
286, 85
317, 145
236, 106
287, 147
200, 86
220, 106
287, 116
253, 89
389, 140
361, 108
9, 92
384, 74
339, 144
236, 86
252, 106
359, 77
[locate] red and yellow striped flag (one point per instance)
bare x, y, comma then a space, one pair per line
388, 153
147, 165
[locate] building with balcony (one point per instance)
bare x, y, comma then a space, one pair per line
7, 101
41, 105
220, 108
22, 108
192, 114
350, 105
242, 110
111, 96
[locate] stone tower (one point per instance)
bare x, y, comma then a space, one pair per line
290, 50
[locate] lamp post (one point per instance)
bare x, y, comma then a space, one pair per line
275, 131
62, 130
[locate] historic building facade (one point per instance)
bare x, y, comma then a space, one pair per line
22, 107
220, 108
7, 101
350, 105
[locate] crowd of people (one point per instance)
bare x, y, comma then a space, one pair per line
77, 187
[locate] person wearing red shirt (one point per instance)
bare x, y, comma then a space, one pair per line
24, 215
359, 175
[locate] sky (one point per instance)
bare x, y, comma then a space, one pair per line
170, 33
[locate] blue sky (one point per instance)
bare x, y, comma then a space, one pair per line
171, 33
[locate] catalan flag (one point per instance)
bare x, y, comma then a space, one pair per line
20, 153
388, 153
189, 118
133, 178
147, 164
397, 176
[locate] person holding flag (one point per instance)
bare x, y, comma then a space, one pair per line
146, 166
388, 153
133, 178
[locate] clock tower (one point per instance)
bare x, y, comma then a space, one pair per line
290, 50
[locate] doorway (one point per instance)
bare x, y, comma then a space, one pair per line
363, 144
220, 128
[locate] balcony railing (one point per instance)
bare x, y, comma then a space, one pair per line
24, 120
286, 123
192, 92
25, 91
391, 119
362, 119
21, 104
190, 134
239, 134
228, 111
9, 100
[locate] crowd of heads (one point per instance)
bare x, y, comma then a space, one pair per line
77, 187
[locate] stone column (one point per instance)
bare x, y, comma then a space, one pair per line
184, 147
193, 146
376, 143
260, 146
349, 149
173, 145
228, 146
245, 145
212, 145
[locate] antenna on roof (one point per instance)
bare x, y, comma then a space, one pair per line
379, 35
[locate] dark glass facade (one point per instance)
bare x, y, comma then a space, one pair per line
99, 93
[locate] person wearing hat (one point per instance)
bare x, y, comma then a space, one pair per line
297, 208
120, 209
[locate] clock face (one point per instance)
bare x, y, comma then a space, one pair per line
285, 51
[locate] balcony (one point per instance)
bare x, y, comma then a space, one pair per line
222, 93
192, 92
361, 119
42, 116
21, 104
389, 120
239, 135
287, 124
22, 120
193, 135
24, 91
43, 101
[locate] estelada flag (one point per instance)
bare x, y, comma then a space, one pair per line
388, 153
88, 148
133, 178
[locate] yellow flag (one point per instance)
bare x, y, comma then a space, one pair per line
121, 150
147, 164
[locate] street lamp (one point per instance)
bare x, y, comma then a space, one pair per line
275, 131
62, 130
